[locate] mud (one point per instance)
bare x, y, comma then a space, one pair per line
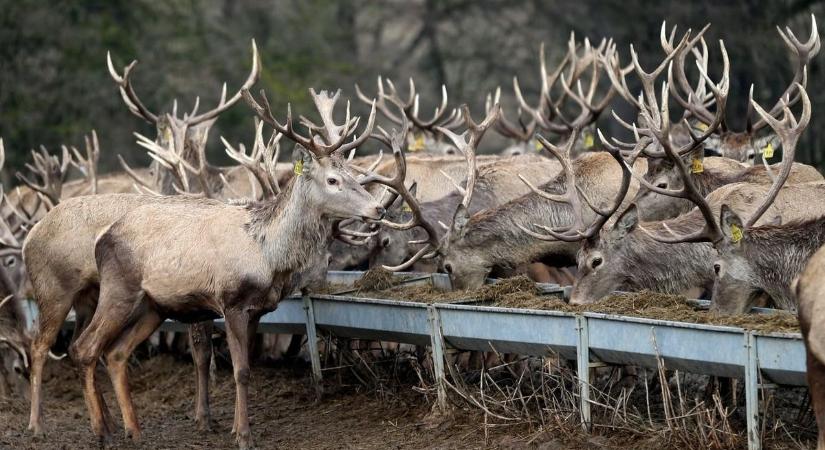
283, 409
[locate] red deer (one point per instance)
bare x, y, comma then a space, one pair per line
248, 267
73, 236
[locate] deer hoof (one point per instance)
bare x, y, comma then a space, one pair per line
245, 441
133, 435
35, 429
204, 424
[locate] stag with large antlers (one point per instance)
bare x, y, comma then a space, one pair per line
186, 138
245, 271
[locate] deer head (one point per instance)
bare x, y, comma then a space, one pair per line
321, 172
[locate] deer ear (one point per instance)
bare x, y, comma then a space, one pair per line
414, 189
628, 221
732, 226
460, 219
301, 158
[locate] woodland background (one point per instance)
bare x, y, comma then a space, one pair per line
54, 86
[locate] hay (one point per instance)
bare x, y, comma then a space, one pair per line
653, 305
376, 279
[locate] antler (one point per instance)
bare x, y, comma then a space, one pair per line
88, 165
335, 135
261, 161
788, 129
396, 183
169, 159
137, 108
51, 170
802, 53
466, 143
573, 194
548, 115
410, 107
522, 132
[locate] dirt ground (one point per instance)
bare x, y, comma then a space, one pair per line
284, 414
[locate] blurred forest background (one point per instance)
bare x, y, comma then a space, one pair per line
54, 86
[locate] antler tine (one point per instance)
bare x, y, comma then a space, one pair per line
695, 107
52, 172
17, 348
521, 132
802, 53
467, 142
224, 104
260, 162
127, 92
412, 112
88, 165
788, 129
381, 101
618, 74
2, 154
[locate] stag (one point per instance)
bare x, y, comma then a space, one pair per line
74, 239
246, 271
810, 292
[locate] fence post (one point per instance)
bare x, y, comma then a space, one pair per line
312, 344
583, 366
437, 342
752, 391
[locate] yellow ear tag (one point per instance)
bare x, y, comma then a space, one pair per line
588, 141
697, 166
767, 152
406, 208
538, 145
418, 144
702, 127
299, 167
735, 233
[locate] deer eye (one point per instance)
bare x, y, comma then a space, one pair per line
596, 262
332, 181
662, 185
11, 261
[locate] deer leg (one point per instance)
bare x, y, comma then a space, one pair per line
48, 326
200, 341
113, 314
117, 357
237, 336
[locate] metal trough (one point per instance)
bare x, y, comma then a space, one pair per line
520, 331
779, 358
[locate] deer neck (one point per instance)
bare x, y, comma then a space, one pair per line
780, 253
290, 229
495, 237
667, 268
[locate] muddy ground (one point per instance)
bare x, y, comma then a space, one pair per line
284, 414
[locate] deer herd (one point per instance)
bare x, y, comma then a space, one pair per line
671, 207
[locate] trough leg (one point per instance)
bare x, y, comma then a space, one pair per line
437, 341
583, 367
752, 392
312, 345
